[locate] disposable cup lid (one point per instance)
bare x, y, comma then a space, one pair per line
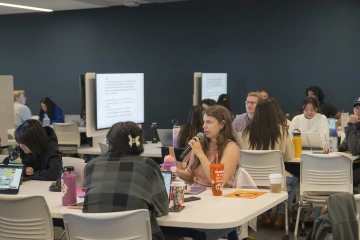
275, 175
178, 184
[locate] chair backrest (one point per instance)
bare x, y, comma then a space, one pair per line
243, 179
115, 226
342, 137
67, 133
325, 173
79, 165
72, 118
25, 217
259, 164
357, 200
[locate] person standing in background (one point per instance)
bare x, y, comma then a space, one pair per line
244, 119
263, 93
21, 111
52, 110
326, 108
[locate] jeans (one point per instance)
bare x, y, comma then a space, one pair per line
291, 183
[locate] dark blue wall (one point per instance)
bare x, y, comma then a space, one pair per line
283, 46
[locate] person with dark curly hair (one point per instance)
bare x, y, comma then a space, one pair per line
326, 108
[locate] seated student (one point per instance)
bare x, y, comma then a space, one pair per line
189, 130
326, 108
206, 103
122, 180
21, 111
224, 100
352, 141
267, 132
312, 121
263, 93
52, 110
219, 139
192, 127
39, 151
244, 119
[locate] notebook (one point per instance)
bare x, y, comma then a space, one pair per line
165, 136
167, 175
10, 178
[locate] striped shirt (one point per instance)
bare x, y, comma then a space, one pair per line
119, 182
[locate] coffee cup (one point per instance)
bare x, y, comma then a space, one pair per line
177, 192
275, 183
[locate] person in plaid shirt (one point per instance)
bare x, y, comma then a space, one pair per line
122, 180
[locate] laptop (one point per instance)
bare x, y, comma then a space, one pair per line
312, 141
167, 175
10, 178
165, 136
103, 147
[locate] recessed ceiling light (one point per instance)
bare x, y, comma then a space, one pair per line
26, 7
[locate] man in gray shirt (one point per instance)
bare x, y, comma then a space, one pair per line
21, 111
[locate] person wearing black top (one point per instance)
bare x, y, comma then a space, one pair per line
326, 108
39, 152
352, 141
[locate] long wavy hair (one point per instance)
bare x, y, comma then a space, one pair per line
192, 127
264, 129
281, 115
226, 134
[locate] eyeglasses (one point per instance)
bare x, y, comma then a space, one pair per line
250, 102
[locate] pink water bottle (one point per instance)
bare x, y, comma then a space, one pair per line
68, 186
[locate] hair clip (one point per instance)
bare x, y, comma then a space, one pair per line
134, 140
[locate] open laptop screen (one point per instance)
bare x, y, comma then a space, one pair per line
10, 177
167, 175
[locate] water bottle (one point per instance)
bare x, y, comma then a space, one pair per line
297, 141
175, 132
154, 133
68, 186
333, 140
46, 120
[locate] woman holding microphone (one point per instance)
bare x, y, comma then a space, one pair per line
218, 139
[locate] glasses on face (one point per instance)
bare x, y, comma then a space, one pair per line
250, 102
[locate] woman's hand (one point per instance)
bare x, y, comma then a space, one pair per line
195, 145
29, 171
325, 150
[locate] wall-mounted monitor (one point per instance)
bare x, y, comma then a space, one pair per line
119, 98
213, 85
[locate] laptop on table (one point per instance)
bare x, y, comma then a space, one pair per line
10, 178
165, 136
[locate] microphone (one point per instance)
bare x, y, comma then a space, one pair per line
200, 135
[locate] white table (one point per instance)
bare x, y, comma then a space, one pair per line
150, 150
209, 213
